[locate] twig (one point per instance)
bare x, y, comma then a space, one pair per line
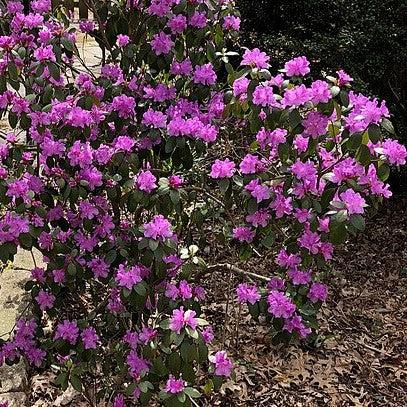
208, 194
91, 4
372, 348
237, 270
225, 326
19, 317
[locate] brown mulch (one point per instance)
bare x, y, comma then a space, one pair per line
360, 358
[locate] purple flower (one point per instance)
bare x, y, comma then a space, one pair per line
240, 86
146, 181
231, 23
315, 124
45, 300
175, 181
255, 58
198, 20
318, 292
343, 78
181, 318
259, 218
299, 277
128, 278
250, 164
320, 92
175, 386
161, 43
244, 234
177, 24
258, 191
100, 268
395, 152
222, 169
247, 293
310, 240
137, 365
86, 26
68, 331
171, 291
276, 284
45, 54
119, 401
207, 334
297, 67
264, 96
223, 366
124, 105
204, 74
154, 118
181, 68
124, 143
280, 305
295, 324
90, 338
158, 228
147, 334
286, 260
185, 290
122, 40
353, 201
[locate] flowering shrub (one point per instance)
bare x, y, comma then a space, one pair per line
114, 176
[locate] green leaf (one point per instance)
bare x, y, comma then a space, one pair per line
355, 140
165, 324
283, 152
387, 125
111, 256
358, 221
174, 362
191, 392
344, 96
268, 240
26, 241
13, 71
383, 171
153, 244
193, 333
159, 367
140, 289
209, 387
224, 185
254, 310
54, 70
337, 232
76, 383
174, 196
69, 45
62, 380
71, 269
374, 133
12, 119
363, 155
295, 118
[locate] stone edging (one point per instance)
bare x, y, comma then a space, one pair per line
13, 300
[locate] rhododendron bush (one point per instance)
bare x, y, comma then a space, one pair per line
119, 175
